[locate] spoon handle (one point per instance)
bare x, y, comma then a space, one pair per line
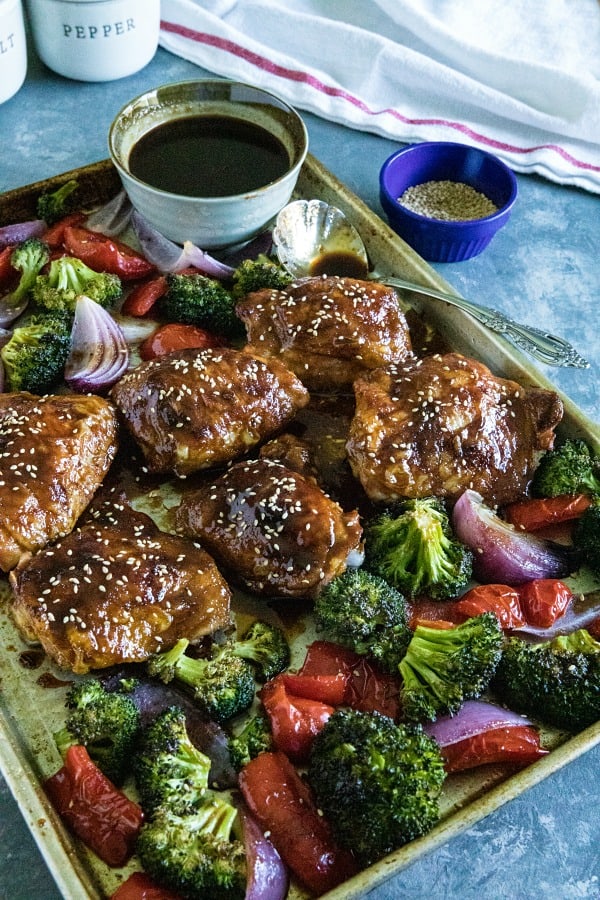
552, 350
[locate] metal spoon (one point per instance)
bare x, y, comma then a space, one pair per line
312, 237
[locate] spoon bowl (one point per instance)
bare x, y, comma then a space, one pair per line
312, 238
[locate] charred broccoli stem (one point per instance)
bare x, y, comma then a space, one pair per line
412, 546
194, 299
106, 723
255, 737
68, 278
28, 258
376, 782
362, 611
257, 274
586, 537
443, 667
35, 355
53, 205
265, 647
169, 770
222, 685
571, 468
557, 681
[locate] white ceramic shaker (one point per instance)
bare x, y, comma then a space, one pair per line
95, 40
13, 48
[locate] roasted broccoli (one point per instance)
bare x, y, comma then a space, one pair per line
169, 770
362, 611
412, 546
68, 278
28, 258
196, 855
106, 723
571, 468
557, 681
198, 300
376, 782
35, 355
53, 205
254, 738
223, 685
256, 274
586, 537
443, 667
265, 646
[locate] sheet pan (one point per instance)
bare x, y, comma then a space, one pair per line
32, 692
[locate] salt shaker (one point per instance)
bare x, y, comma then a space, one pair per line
95, 40
13, 48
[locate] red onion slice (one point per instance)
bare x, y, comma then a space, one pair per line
168, 256
99, 354
474, 717
20, 231
112, 218
502, 554
268, 877
8, 313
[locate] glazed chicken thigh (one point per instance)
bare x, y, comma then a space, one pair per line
442, 424
327, 330
272, 528
200, 408
54, 453
115, 591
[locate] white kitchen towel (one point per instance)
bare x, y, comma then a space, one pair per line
520, 78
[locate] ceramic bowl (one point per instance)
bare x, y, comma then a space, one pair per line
209, 221
437, 239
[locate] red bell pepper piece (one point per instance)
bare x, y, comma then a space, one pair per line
515, 744
283, 805
295, 721
94, 809
544, 601
500, 599
7, 273
329, 689
55, 235
144, 296
104, 254
175, 336
367, 688
531, 515
140, 886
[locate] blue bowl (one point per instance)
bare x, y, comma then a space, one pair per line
440, 240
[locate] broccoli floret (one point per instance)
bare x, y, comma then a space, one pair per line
196, 855
362, 611
413, 547
106, 723
53, 205
199, 300
443, 667
34, 358
254, 738
377, 783
571, 468
68, 278
28, 258
223, 685
586, 537
256, 274
557, 681
265, 646
169, 770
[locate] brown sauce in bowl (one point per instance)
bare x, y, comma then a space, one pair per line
208, 156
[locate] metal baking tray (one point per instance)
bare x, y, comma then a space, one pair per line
32, 691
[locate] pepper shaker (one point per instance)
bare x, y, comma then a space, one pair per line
95, 40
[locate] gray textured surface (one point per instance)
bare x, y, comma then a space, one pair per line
543, 269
